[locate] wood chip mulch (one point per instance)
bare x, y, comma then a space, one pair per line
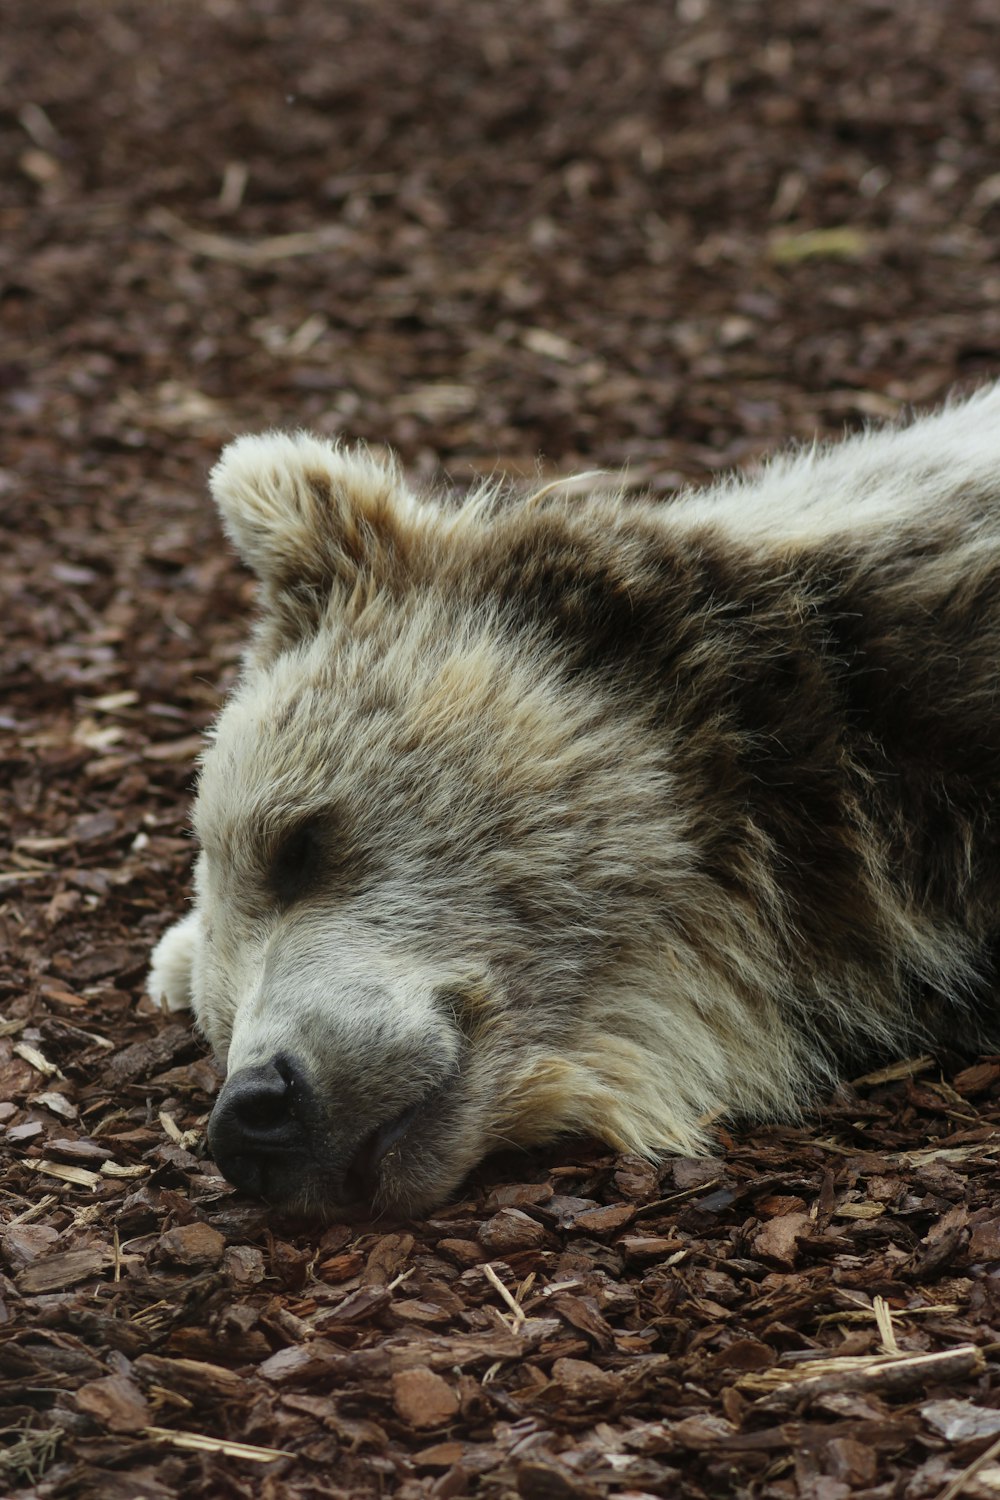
575, 233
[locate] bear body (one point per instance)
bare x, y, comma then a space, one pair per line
579, 812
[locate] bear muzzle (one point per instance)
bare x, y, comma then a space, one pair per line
271, 1138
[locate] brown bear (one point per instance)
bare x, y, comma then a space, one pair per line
575, 811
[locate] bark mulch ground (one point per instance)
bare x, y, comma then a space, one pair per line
535, 237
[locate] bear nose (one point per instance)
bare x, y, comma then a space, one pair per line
256, 1122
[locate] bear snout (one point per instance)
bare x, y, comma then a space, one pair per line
272, 1137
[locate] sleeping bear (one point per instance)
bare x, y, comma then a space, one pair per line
574, 811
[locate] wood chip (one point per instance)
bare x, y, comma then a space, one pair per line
605, 1220
510, 1230
422, 1398
193, 1245
882, 1375
67, 1268
649, 1247
778, 1240
78, 1176
116, 1402
195, 1379
58, 1104
37, 1060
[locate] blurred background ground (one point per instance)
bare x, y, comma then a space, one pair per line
526, 237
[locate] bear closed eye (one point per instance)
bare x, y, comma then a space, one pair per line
296, 863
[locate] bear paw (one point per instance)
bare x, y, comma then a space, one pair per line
170, 973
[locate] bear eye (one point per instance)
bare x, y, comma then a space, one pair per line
296, 862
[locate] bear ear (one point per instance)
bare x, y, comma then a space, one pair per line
306, 514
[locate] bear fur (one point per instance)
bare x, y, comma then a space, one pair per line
579, 812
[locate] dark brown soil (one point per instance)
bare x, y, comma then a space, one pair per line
493, 234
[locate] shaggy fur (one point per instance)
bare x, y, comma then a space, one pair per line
579, 812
